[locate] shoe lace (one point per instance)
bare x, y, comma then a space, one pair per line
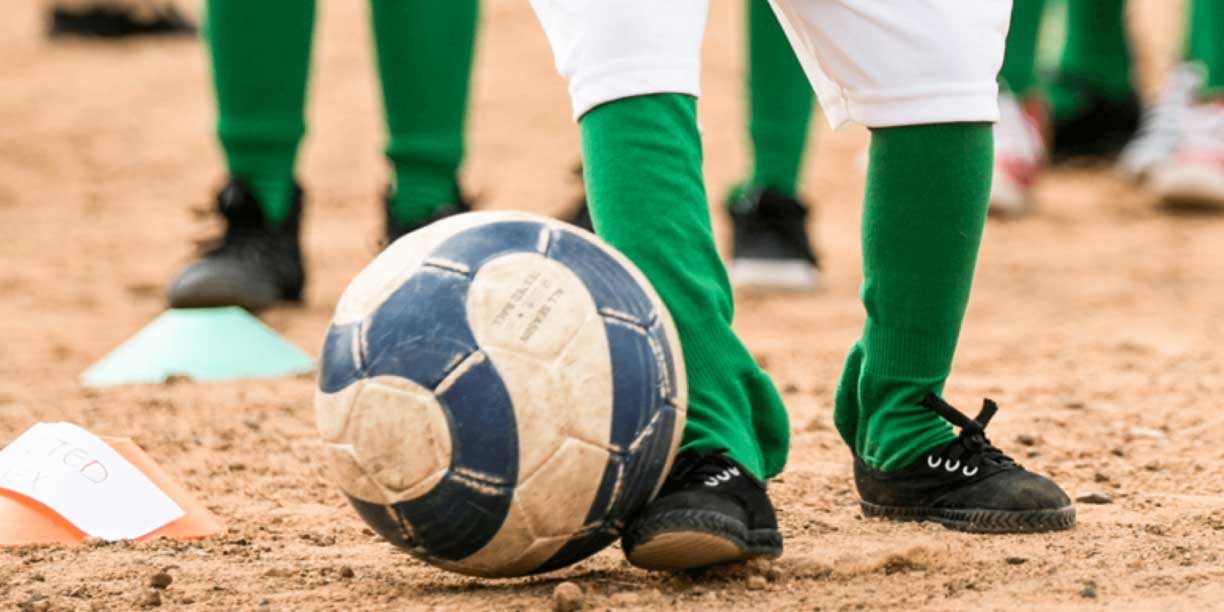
973, 448
694, 466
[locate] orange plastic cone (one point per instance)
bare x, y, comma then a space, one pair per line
25, 521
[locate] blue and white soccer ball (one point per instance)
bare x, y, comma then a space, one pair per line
499, 392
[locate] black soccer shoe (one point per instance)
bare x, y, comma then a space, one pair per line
966, 484
1100, 128
394, 230
253, 264
102, 20
709, 512
770, 248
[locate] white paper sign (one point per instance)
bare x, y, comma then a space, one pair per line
85, 481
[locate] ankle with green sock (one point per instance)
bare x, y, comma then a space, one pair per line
1096, 56
1206, 44
261, 58
425, 54
1019, 72
642, 163
924, 211
779, 104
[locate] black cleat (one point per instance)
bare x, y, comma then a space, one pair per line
966, 484
771, 248
253, 265
394, 230
709, 512
106, 20
1100, 128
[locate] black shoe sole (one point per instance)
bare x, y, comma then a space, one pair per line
980, 521
691, 539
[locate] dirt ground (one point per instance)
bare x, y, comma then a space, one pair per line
1096, 323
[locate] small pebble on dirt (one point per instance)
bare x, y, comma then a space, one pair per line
1147, 432
757, 583
35, 603
1016, 560
567, 597
1026, 440
1094, 498
346, 572
1089, 591
160, 580
151, 598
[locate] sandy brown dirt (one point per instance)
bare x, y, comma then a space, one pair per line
1096, 323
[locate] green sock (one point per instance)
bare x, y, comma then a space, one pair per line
642, 160
927, 188
260, 58
779, 103
1019, 73
425, 61
1207, 42
1097, 52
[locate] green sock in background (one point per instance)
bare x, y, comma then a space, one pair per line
927, 189
1206, 42
425, 54
780, 103
1019, 73
261, 58
642, 161
1097, 52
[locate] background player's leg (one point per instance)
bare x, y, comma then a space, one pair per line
261, 57
779, 103
1093, 102
425, 59
923, 216
1096, 52
1019, 72
643, 177
771, 249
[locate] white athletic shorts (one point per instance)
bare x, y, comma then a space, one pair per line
880, 63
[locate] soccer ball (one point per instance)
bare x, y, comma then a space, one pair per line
499, 392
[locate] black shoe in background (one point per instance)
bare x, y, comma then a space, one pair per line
103, 20
710, 511
771, 248
1099, 128
394, 230
966, 484
254, 264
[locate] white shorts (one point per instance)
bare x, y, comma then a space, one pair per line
880, 63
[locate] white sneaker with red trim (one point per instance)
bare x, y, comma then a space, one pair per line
1194, 175
1020, 154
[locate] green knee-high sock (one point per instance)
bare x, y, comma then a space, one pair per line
260, 58
1207, 42
779, 103
1019, 73
425, 60
642, 160
1097, 52
927, 188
